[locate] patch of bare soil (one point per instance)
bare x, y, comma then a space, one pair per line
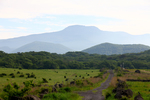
90, 95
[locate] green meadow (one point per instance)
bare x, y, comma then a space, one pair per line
137, 87
51, 75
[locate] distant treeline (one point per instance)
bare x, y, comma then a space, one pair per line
74, 60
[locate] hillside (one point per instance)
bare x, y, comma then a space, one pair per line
77, 38
109, 49
43, 46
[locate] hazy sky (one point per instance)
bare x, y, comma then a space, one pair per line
24, 17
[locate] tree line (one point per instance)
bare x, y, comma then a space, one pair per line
73, 60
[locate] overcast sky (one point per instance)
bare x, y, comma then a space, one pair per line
25, 17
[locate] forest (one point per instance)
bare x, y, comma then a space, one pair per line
73, 60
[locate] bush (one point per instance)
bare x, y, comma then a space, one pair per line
44, 80
21, 75
18, 72
1, 75
64, 90
32, 76
64, 76
107, 95
13, 90
12, 74
79, 82
119, 74
4, 74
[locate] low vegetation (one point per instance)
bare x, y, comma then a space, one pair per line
137, 86
53, 80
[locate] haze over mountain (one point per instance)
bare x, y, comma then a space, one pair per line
77, 38
43, 46
109, 49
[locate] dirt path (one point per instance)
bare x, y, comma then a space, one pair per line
90, 95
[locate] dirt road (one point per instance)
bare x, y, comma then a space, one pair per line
90, 95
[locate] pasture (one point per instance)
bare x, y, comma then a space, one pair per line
137, 87
51, 75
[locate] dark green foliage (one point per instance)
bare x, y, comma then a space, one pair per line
21, 75
1, 75
32, 76
18, 72
13, 90
4, 74
50, 79
79, 82
108, 95
64, 90
99, 75
44, 80
64, 76
119, 74
74, 60
12, 74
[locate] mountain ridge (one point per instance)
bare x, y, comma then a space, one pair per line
109, 48
78, 37
42, 46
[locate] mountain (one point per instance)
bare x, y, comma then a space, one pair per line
78, 37
43, 46
109, 49
6, 49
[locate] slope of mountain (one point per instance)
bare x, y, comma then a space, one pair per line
109, 49
78, 37
43, 46
6, 49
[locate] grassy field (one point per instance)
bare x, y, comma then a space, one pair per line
142, 87
54, 75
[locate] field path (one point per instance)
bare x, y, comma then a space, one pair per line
90, 95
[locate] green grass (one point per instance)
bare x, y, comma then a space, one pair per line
142, 87
62, 96
46, 73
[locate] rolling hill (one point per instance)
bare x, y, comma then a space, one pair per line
109, 49
43, 46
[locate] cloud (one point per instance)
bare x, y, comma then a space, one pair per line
22, 28
135, 13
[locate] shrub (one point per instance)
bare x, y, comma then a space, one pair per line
13, 90
79, 82
18, 72
4, 74
1, 75
11, 74
64, 76
50, 79
20, 68
21, 75
32, 76
44, 80
64, 90
88, 74
107, 95
82, 77
119, 74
